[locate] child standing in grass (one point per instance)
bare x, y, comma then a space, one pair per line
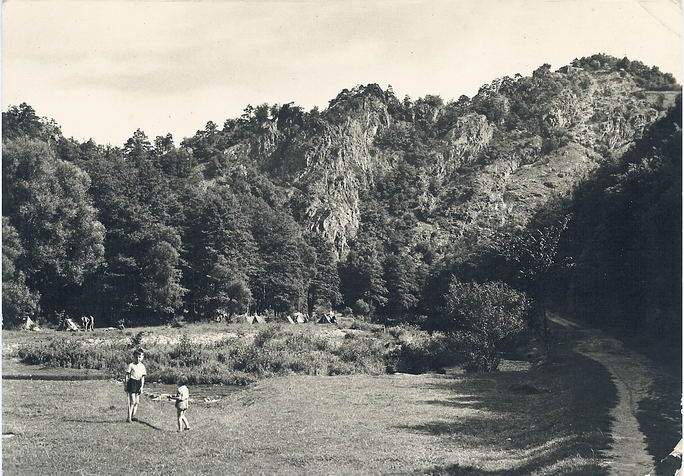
135, 381
182, 398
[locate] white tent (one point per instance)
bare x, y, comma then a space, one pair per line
255, 319
70, 325
299, 317
30, 325
327, 319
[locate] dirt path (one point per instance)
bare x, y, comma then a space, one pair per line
632, 378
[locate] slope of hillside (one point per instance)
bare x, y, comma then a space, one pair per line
483, 162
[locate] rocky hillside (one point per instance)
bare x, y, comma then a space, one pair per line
358, 205
471, 165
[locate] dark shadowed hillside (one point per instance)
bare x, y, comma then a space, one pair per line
626, 236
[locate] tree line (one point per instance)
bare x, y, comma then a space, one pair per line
153, 230
136, 233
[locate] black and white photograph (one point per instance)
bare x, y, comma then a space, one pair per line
298, 237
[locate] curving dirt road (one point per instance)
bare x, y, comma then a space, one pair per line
632, 378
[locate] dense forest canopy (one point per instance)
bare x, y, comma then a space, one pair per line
376, 205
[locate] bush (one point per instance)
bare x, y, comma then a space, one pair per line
482, 316
275, 350
361, 308
177, 322
18, 302
186, 354
137, 340
402, 330
267, 333
424, 352
366, 326
362, 354
61, 352
479, 354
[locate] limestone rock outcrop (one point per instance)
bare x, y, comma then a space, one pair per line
483, 163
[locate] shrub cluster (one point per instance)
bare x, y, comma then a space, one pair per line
71, 353
479, 320
482, 317
275, 350
421, 352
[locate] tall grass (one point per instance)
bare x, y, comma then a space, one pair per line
275, 350
70, 353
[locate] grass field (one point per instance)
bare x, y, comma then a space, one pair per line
517, 421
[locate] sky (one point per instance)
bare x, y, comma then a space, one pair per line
104, 69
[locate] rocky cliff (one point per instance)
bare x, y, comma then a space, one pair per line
472, 165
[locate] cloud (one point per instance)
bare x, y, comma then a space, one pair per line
175, 65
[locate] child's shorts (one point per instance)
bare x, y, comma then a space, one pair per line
133, 386
183, 405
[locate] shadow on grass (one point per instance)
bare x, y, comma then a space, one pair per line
458, 470
150, 425
659, 417
659, 414
99, 422
112, 422
563, 428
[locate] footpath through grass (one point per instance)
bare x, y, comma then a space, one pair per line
545, 421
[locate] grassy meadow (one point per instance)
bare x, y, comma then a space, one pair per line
510, 422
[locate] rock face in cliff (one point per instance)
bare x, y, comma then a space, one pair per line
340, 164
583, 118
466, 167
471, 134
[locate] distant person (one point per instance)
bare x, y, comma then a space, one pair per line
135, 381
88, 323
182, 399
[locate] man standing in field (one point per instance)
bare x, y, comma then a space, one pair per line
135, 381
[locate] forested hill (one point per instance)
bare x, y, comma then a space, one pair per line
357, 205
